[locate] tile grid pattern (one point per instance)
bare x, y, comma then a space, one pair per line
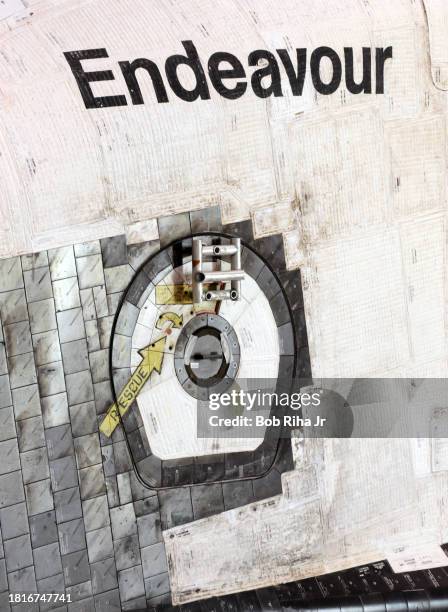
73, 516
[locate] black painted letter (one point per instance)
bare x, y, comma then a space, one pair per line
192, 61
381, 56
272, 70
129, 68
296, 79
217, 75
83, 79
316, 58
366, 83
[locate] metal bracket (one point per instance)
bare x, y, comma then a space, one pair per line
235, 275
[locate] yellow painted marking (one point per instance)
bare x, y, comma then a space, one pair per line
205, 307
174, 294
152, 360
175, 320
181, 294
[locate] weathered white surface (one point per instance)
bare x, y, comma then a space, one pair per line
437, 15
68, 173
10, 7
347, 503
365, 177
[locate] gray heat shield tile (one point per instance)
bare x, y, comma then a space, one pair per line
67, 504
91, 481
96, 513
26, 402
72, 536
104, 575
14, 521
47, 561
18, 553
63, 473
43, 529
76, 567
99, 544
30, 433
131, 583
11, 488
39, 497
42, 316
35, 465
7, 424
74, 356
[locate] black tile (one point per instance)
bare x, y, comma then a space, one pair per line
292, 284
419, 580
242, 229
260, 461
207, 500
150, 470
299, 322
229, 604
181, 251
211, 605
173, 227
331, 586
138, 286
249, 602
123, 462
284, 461
176, 473
238, 493
195, 606
288, 593
156, 265
251, 263
271, 249
129, 419
138, 254
268, 283
304, 365
138, 489
175, 507
311, 589
114, 251
149, 505
268, 599
285, 370
136, 444
280, 309
352, 583
234, 464
209, 469
286, 339
268, 485
206, 220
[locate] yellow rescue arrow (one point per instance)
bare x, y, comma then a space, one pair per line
175, 320
152, 360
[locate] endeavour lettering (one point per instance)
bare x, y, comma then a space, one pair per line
230, 78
